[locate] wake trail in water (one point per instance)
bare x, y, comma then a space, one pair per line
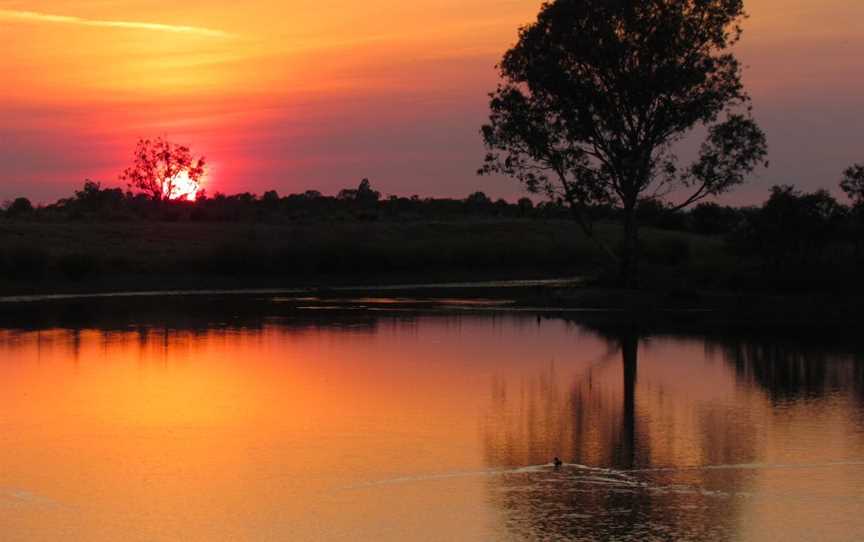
450, 475
602, 475
607, 479
25, 497
754, 466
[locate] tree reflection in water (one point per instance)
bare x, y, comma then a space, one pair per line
667, 435
639, 451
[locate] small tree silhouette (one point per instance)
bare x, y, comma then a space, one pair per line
157, 165
19, 207
365, 193
853, 184
362, 194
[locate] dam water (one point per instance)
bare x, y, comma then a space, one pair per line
224, 420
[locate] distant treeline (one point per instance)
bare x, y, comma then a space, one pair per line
94, 203
790, 221
795, 237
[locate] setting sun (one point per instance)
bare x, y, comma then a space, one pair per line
181, 187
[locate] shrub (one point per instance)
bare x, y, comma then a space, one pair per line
667, 251
78, 266
19, 207
25, 262
232, 258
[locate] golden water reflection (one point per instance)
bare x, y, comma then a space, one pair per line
424, 427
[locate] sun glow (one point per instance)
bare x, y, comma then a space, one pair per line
181, 187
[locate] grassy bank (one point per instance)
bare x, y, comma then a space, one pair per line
680, 270
53, 257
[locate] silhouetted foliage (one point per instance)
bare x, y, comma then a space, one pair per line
94, 203
794, 241
596, 93
708, 218
24, 262
853, 183
157, 167
270, 198
478, 202
78, 266
362, 194
794, 233
19, 207
667, 251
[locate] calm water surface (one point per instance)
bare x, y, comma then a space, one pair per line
395, 426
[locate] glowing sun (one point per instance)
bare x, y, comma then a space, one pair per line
181, 187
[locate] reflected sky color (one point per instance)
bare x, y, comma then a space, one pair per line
299, 95
425, 428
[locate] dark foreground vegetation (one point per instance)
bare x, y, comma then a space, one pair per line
104, 239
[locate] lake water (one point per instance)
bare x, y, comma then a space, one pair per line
293, 421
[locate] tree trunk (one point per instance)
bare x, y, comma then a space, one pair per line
630, 250
629, 355
588, 230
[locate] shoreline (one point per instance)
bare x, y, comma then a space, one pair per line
570, 297
434, 286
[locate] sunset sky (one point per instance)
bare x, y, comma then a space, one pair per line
305, 94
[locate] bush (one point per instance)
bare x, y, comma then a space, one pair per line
78, 266
19, 207
667, 251
25, 262
232, 258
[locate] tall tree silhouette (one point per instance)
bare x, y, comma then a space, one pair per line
157, 166
596, 93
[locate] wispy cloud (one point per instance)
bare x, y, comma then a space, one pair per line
35, 16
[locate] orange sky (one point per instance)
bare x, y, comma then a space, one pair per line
302, 94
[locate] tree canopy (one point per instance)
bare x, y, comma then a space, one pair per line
596, 94
853, 183
163, 169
